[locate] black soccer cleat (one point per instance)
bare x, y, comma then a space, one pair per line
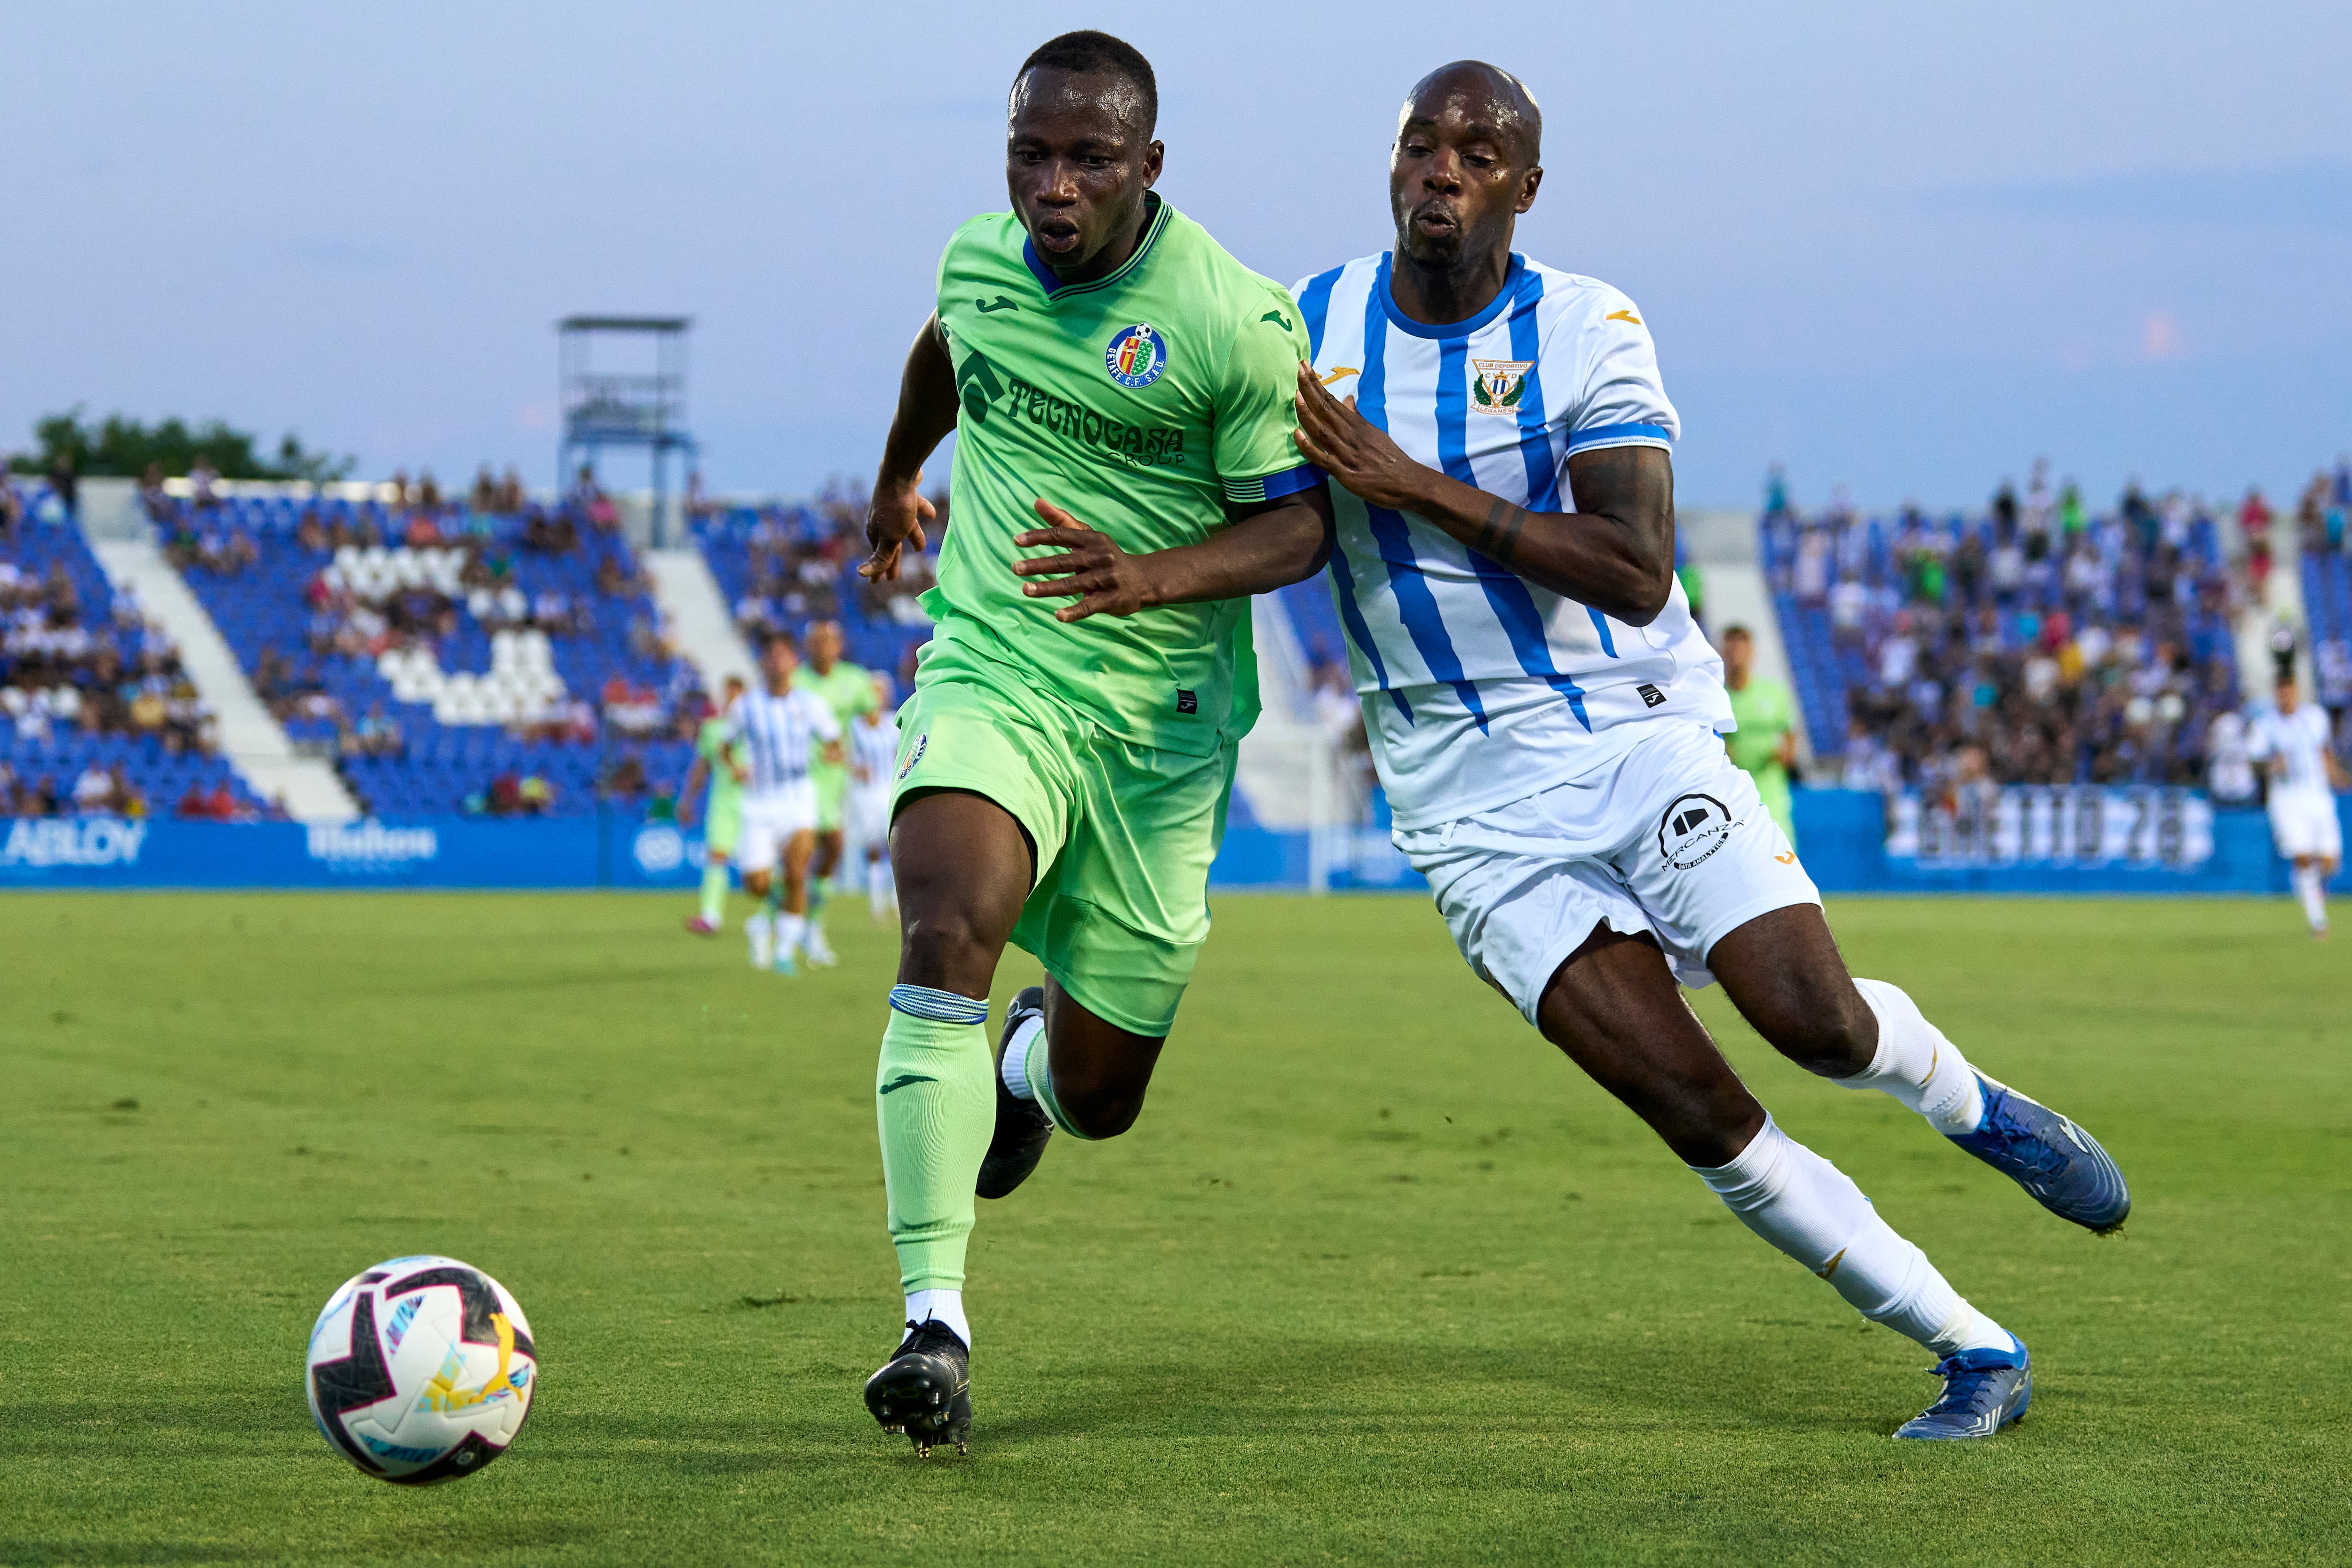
1022, 1127
925, 1390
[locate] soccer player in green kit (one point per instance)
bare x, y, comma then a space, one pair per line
1122, 394
725, 813
848, 689
1764, 747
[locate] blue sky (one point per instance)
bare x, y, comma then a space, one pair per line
1901, 248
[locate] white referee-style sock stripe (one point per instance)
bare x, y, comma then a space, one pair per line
939, 1006
1810, 1210
1014, 1069
1917, 1064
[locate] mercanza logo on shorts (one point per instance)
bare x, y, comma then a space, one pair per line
1693, 828
915, 755
1135, 356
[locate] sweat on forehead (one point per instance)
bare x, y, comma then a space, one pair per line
1487, 94
1050, 88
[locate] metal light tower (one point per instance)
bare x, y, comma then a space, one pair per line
622, 409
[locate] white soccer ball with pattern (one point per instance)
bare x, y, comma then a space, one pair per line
421, 1369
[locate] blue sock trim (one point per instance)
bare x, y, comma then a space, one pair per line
939, 1006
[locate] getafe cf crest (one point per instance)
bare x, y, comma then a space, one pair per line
1499, 385
914, 754
1135, 356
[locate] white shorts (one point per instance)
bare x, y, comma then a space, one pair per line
2302, 822
866, 814
1669, 838
770, 820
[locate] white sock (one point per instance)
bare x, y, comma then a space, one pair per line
947, 1306
2311, 887
1810, 1210
761, 929
790, 929
1014, 1069
877, 888
1917, 1065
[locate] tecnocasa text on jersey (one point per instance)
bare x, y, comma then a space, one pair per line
1158, 445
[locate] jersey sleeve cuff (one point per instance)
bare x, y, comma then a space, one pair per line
1271, 487
1598, 436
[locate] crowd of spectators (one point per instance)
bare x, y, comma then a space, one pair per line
803, 560
2036, 643
112, 674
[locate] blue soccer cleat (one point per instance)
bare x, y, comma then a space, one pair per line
2061, 1165
1984, 1391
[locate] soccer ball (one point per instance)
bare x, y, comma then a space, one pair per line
421, 1369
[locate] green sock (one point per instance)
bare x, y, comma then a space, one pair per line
935, 1099
714, 891
1039, 1071
816, 903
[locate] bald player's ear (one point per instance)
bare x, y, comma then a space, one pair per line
1528, 184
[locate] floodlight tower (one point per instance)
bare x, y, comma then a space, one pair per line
622, 409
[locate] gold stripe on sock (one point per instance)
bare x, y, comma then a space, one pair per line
1826, 1269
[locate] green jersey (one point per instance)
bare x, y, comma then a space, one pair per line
848, 691
1766, 713
710, 746
1143, 403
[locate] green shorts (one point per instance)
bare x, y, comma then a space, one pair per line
832, 780
1124, 836
725, 825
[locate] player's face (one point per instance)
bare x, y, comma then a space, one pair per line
1457, 176
1736, 652
824, 645
781, 661
1075, 166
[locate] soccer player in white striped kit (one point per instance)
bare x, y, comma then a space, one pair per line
2292, 743
773, 733
1546, 717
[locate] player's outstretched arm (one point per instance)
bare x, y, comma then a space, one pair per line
1265, 547
1616, 553
927, 412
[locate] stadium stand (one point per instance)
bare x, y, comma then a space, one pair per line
2320, 520
782, 567
447, 659
2034, 644
96, 714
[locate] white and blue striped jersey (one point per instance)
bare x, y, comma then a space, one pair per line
777, 736
1479, 687
873, 751
2299, 740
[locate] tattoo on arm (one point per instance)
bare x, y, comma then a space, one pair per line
1498, 539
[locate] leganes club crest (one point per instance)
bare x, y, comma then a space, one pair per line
1135, 356
1499, 385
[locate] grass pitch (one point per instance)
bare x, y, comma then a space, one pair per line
1378, 1277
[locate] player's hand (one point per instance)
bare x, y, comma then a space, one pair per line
1356, 453
894, 519
686, 812
1093, 569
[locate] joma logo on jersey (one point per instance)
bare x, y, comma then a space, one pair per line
1135, 356
977, 386
1499, 385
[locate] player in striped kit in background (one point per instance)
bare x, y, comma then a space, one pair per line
1545, 714
775, 732
873, 743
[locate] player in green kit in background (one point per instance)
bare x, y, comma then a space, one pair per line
725, 813
1764, 747
1122, 393
848, 689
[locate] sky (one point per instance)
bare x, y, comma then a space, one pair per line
1903, 248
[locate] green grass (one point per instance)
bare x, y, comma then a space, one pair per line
1378, 1277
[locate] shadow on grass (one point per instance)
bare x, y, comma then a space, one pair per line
479, 1538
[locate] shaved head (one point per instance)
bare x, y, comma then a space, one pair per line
1483, 95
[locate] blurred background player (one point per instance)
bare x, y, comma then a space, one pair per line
1063, 773
848, 689
724, 813
2292, 742
873, 744
1764, 747
1544, 713
776, 731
